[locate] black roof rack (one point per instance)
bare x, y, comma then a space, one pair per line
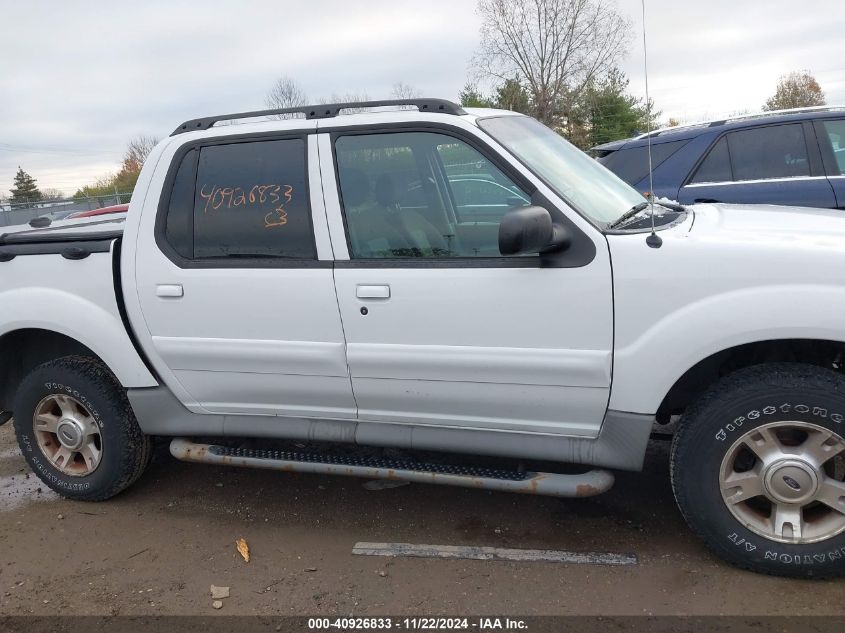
324, 111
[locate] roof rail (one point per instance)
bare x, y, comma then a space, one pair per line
743, 117
325, 111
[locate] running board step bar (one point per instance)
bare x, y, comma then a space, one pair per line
587, 484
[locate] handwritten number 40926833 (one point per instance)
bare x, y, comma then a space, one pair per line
257, 196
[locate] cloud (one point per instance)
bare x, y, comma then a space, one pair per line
713, 58
80, 79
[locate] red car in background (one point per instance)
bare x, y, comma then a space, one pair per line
117, 208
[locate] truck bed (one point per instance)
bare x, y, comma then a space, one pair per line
63, 282
87, 229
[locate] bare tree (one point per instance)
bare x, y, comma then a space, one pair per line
553, 47
137, 151
796, 90
401, 90
286, 93
50, 193
348, 97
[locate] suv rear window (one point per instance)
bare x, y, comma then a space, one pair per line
631, 164
246, 199
759, 153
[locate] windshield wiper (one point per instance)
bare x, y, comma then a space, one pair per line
630, 213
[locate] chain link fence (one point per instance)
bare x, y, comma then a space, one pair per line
12, 213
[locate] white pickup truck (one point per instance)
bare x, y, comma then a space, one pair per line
437, 279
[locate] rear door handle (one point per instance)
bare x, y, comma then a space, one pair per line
169, 290
373, 292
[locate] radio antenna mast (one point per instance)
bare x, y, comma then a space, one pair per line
653, 240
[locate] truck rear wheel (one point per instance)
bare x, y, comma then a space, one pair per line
758, 470
77, 431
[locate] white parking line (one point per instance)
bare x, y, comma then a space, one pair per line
493, 553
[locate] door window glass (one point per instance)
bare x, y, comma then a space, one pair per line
421, 194
777, 151
242, 200
179, 225
717, 166
836, 134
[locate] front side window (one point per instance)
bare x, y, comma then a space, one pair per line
242, 200
836, 135
716, 167
421, 194
761, 153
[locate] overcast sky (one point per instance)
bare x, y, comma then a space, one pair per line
78, 79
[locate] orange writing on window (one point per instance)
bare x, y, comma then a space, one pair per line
217, 198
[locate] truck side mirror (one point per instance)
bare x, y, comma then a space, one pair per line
531, 230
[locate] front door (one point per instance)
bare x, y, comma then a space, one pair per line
236, 289
440, 328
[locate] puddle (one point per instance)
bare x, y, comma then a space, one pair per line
8, 453
19, 490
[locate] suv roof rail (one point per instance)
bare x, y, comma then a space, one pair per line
743, 117
324, 111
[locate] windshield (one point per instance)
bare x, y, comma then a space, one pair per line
581, 181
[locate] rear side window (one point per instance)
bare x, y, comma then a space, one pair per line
631, 164
241, 200
778, 151
179, 224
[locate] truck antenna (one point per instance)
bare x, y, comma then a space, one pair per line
653, 240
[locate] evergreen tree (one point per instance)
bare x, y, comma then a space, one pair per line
25, 190
470, 97
612, 113
512, 95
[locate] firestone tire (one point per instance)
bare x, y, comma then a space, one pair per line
79, 399
762, 410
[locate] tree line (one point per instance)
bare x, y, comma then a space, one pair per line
26, 193
555, 60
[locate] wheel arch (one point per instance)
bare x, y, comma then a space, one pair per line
25, 348
706, 372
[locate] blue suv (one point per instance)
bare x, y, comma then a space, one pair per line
790, 157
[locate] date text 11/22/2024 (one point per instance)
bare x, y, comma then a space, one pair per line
481, 624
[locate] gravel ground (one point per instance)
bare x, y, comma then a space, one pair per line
157, 548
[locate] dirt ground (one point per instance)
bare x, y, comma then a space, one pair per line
156, 549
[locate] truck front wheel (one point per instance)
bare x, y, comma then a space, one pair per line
758, 470
77, 431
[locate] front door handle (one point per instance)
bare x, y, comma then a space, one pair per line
373, 292
169, 290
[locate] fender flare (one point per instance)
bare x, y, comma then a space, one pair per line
647, 368
78, 318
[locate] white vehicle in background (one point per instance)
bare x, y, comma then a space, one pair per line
345, 278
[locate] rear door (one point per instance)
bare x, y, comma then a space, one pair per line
774, 164
442, 329
831, 135
234, 280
